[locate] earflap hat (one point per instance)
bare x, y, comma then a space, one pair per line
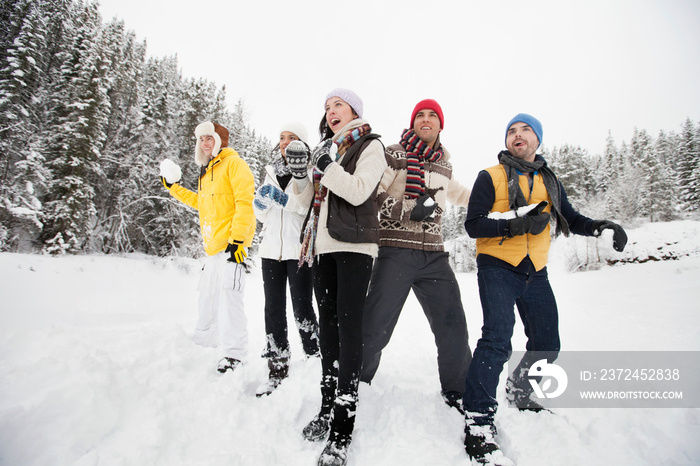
220, 135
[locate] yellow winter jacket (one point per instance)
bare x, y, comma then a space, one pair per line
224, 201
513, 250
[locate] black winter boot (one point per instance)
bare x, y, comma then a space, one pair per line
480, 442
342, 425
279, 370
453, 400
335, 454
521, 398
318, 427
227, 364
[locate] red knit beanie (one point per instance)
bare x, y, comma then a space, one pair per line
429, 104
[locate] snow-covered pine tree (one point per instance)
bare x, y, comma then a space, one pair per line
159, 224
571, 164
688, 171
626, 194
666, 147
81, 116
657, 194
256, 151
124, 139
30, 34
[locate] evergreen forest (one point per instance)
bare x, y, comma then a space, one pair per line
86, 116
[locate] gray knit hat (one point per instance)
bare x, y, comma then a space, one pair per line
348, 96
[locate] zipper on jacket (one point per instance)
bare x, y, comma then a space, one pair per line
281, 225
281, 234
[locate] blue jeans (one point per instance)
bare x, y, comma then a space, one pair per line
499, 289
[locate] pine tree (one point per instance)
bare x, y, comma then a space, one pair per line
30, 35
124, 138
80, 125
657, 198
688, 173
627, 191
571, 167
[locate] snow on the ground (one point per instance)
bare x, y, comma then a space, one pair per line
97, 368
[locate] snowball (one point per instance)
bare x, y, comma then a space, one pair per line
429, 202
170, 171
521, 211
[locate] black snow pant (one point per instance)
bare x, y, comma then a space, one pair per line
396, 272
340, 284
275, 275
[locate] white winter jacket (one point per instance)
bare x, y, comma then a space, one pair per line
281, 226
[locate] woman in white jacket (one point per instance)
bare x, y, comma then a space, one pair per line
282, 218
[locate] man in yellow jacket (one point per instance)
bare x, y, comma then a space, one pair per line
224, 200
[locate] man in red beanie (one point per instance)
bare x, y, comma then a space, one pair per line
412, 198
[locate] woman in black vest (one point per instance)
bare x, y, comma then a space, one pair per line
340, 239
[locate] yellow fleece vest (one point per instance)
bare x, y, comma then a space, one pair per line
513, 250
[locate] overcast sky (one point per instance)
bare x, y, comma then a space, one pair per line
583, 68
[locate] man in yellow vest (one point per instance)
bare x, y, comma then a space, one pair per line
224, 199
509, 212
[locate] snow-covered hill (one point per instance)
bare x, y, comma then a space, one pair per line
96, 368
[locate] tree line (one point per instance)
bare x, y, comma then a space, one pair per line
86, 117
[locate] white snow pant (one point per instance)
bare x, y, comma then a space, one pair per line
222, 322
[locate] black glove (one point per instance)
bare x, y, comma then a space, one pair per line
534, 222
237, 251
619, 235
297, 155
421, 211
320, 156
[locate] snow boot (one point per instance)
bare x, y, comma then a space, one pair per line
480, 442
228, 364
520, 398
453, 400
279, 370
341, 427
335, 454
318, 427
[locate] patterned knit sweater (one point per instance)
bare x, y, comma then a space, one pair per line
396, 227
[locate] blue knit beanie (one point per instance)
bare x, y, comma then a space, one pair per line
529, 120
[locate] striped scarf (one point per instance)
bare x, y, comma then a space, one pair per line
308, 245
417, 153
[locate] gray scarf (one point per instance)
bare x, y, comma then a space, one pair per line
516, 198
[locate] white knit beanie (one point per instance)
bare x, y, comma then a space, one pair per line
348, 96
297, 129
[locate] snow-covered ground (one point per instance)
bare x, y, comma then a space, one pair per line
96, 368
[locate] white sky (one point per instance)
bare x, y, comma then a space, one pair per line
583, 68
